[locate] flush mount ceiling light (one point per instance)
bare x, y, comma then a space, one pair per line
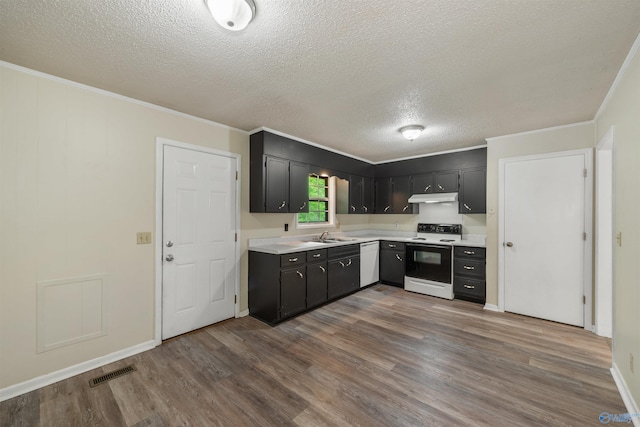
233, 15
411, 132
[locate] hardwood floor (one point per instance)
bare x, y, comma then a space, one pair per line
380, 357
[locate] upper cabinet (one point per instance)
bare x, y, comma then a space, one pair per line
361, 195
285, 186
473, 191
383, 195
400, 195
446, 182
423, 183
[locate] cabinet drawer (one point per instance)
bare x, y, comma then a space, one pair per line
469, 252
317, 255
396, 246
469, 287
290, 260
469, 267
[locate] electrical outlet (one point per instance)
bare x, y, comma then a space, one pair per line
397, 226
143, 237
286, 227
619, 238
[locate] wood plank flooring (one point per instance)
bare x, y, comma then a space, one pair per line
380, 357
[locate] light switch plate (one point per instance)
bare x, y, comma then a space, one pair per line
143, 237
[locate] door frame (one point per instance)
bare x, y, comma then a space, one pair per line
588, 224
604, 231
160, 144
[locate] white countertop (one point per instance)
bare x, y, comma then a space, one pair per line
290, 244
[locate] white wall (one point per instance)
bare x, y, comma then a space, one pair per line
77, 172
622, 110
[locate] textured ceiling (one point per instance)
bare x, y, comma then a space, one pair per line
342, 74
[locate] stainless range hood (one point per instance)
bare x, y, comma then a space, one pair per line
434, 198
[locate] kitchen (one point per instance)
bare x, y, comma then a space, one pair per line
88, 179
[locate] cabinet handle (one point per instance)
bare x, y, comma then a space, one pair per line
300, 274
427, 188
405, 208
398, 256
387, 208
440, 187
322, 268
349, 263
282, 205
366, 209
316, 255
353, 208
466, 206
341, 263
468, 267
469, 252
391, 245
293, 259
469, 286
303, 205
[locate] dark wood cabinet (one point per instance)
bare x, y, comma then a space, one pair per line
286, 187
316, 284
423, 183
446, 182
293, 291
469, 273
383, 195
392, 263
473, 191
400, 196
344, 270
368, 196
361, 195
298, 187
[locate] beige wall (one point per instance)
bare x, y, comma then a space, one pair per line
525, 144
623, 112
77, 182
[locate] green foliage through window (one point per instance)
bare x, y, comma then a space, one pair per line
318, 201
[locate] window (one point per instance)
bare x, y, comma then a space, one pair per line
320, 204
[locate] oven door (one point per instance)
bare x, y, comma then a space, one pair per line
430, 262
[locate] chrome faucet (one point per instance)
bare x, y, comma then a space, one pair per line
323, 236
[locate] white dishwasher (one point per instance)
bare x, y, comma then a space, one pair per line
369, 263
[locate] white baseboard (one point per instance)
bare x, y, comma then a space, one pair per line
627, 398
63, 374
492, 307
243, 313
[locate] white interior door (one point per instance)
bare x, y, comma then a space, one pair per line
198, 231
544, 243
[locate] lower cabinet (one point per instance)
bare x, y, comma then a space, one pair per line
469, 268
392, 263
282, 286
344, 270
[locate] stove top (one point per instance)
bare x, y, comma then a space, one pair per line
439, 233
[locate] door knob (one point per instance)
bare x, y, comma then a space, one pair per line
169, 257
509, 244
169, 243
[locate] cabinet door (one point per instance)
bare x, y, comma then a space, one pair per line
298, 187
293, 291
392, 267
355, 194
353, 273
277, 185
401, 194
446, 182
368, 195
384, 190
344, 276
473, 191
316, 284
423, 183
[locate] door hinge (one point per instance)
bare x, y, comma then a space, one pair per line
584, 236
585, 173
235, 299
584, 299
236, 237
236, 175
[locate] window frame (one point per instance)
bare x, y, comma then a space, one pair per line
331, 207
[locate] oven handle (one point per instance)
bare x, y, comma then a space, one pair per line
422, 245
